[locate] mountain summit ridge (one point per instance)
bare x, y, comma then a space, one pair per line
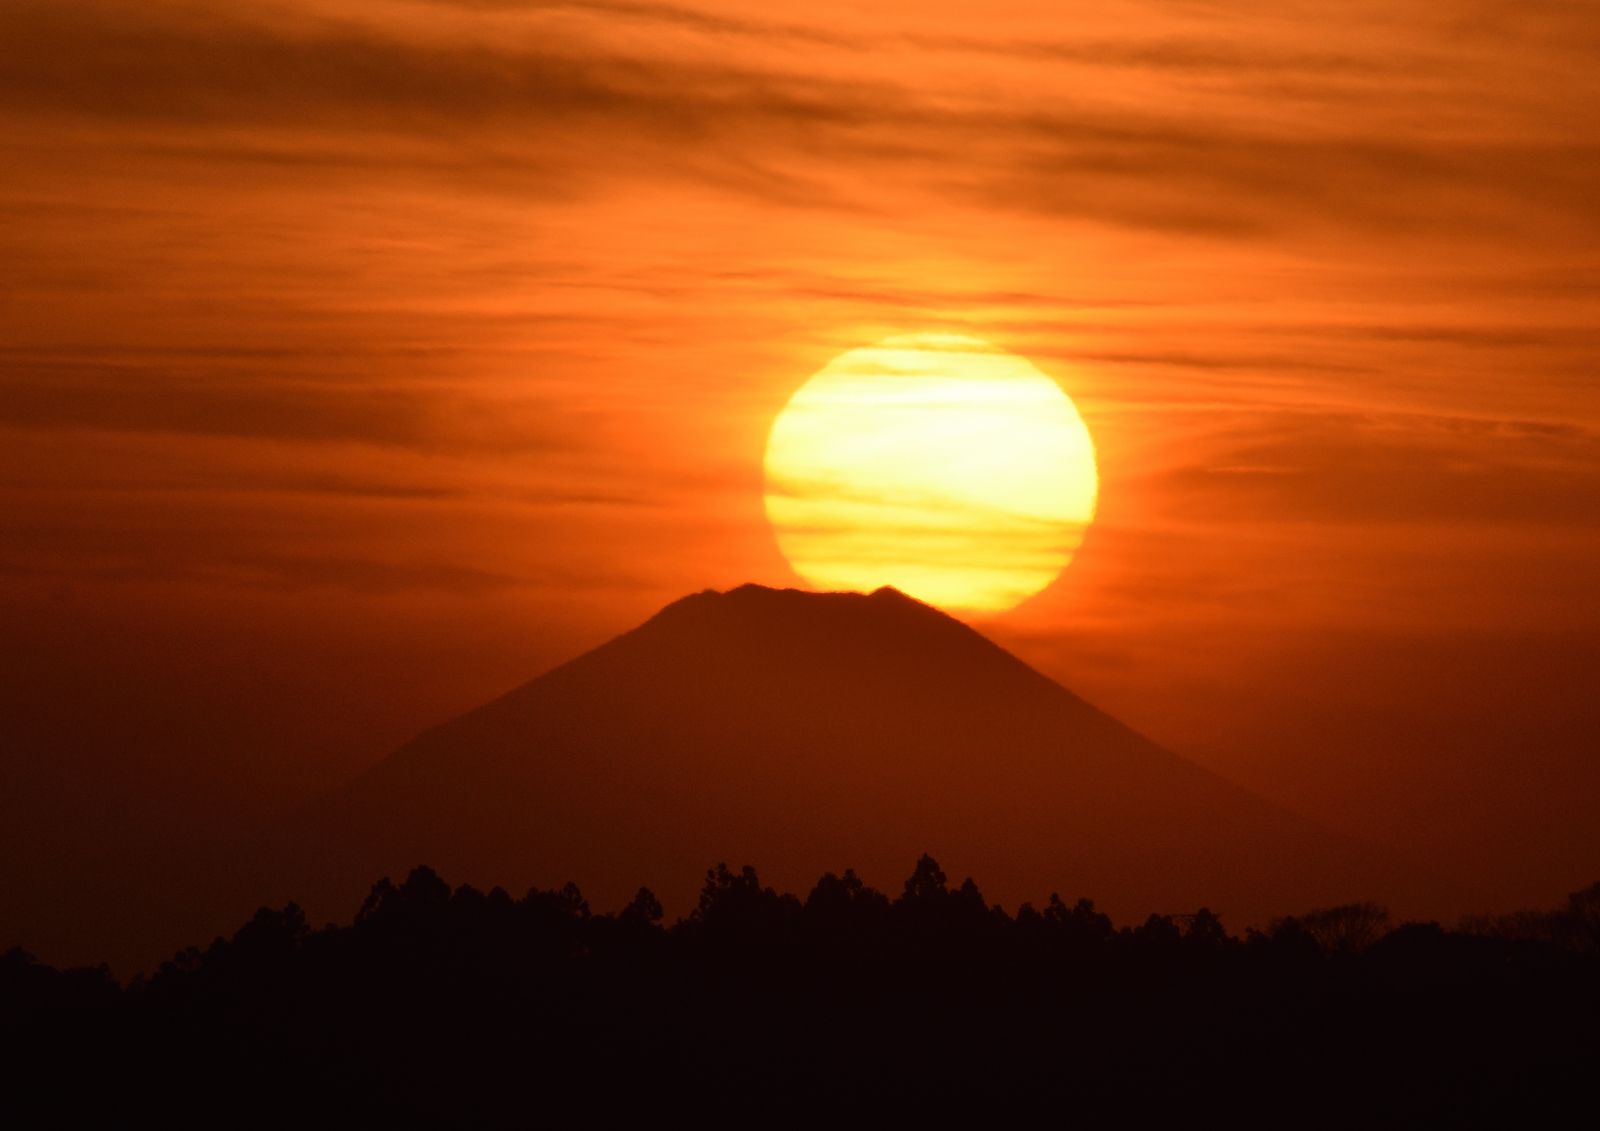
802, 732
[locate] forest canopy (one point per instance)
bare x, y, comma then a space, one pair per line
480, 1007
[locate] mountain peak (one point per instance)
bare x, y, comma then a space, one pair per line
837, 641
802, 732
750, 590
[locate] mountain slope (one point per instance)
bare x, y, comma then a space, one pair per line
803, 732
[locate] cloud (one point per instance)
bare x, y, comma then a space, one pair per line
1350, 468
1430, 137
219, 400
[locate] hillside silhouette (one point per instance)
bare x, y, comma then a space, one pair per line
806, 731
464, 1008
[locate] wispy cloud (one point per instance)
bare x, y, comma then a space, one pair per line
587, 102
1359, 470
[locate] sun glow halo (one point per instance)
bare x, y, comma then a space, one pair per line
940, 465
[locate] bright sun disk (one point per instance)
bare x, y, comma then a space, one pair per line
940, 465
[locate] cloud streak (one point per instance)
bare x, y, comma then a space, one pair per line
587, 104
1362, 470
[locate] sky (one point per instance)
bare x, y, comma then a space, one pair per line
361, 361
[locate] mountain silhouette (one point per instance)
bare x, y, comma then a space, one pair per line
801, 732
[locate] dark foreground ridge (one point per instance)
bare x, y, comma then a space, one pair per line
760, 1009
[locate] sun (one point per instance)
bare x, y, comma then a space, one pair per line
943, 466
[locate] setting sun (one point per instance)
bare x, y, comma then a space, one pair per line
942, 466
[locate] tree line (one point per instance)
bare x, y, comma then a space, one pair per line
762, 1008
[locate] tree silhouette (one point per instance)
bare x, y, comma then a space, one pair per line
1348, 929
466, 1008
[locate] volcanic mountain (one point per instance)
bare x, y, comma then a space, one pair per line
805, 732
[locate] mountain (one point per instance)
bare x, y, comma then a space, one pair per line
803, 732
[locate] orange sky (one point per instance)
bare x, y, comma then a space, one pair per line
362, 360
